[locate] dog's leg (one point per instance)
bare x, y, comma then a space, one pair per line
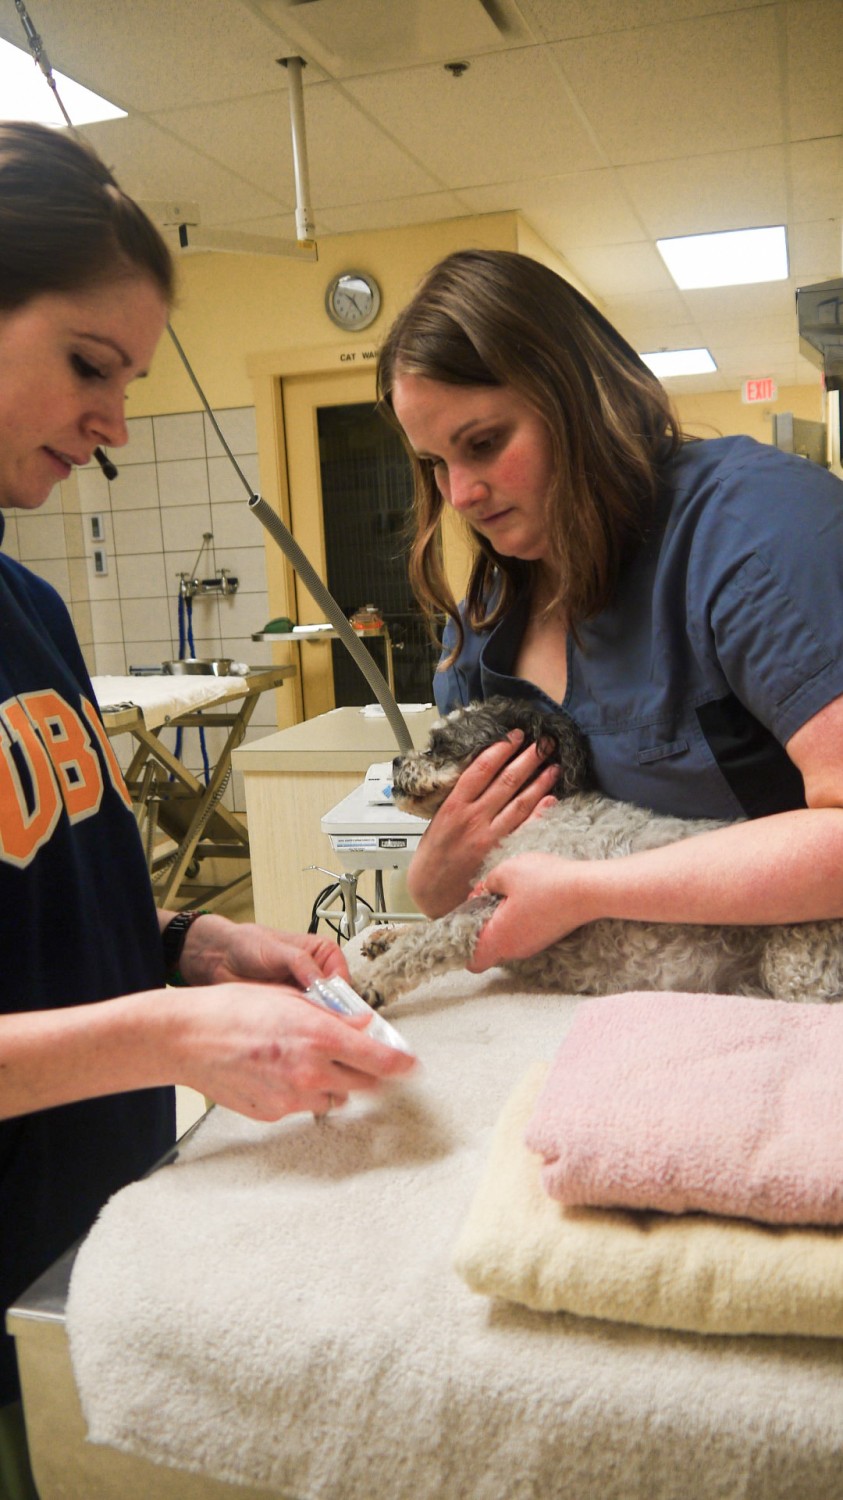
378, 940
418, 950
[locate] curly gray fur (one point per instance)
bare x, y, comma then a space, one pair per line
797, 962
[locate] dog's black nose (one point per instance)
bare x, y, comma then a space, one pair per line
396, 764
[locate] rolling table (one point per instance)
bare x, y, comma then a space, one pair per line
166, 796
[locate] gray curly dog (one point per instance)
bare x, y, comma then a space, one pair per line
794, 962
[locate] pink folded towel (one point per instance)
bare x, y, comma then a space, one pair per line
682, 1102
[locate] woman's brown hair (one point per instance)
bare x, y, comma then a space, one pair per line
65, 225
493, 317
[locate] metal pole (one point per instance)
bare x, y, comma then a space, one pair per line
305, 228
313, 583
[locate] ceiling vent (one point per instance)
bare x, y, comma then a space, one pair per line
369, 36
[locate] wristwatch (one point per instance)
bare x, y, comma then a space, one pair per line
173, 940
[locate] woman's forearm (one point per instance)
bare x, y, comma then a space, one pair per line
785, 868
52, 1057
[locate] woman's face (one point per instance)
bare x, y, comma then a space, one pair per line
491, 457
65, 362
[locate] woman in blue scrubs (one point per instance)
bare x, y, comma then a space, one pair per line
681, 600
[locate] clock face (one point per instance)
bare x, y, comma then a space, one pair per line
353, 300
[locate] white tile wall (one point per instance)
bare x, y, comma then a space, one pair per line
175, 483
180, 437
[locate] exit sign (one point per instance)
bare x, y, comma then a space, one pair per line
759, 390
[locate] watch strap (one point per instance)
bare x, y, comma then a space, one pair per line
173, 939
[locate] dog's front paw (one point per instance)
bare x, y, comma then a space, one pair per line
380, 940
372, 995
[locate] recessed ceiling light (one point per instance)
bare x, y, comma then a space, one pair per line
26, 95
667, 362
736, 257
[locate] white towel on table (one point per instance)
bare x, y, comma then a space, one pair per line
163, 698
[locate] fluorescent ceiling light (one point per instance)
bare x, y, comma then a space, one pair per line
26, 95
667, 362
733, 258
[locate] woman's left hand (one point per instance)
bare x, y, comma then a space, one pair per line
217, 950
541, 902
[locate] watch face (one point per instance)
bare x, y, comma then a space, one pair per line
353, 300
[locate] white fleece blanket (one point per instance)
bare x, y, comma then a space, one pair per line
280, 1308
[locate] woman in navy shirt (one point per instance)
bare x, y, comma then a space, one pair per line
91, 1035
680, 599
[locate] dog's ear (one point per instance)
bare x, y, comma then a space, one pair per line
575, 762
556, 734
561, 742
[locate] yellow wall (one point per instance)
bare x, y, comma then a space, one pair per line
248, 321
235, 307
722, 413
232, 307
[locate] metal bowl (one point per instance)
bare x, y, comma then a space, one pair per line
197, 666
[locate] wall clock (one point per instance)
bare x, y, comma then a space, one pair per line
352, 300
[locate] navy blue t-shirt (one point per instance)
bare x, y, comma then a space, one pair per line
725, 637
77, 924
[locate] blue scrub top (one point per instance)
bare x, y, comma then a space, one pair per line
725, 637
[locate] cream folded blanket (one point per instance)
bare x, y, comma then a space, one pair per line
703, 1102
697, 1273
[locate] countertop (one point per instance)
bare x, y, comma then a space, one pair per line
346, 739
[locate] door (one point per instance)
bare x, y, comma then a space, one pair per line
350, 486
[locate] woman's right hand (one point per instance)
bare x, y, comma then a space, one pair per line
265, 1051
493, 797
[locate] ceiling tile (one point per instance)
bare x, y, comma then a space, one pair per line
612, 269
815, 250
605, 123
150, 163
729, 190
350, 159
558, 19
679, 385
464, 129
579, 208
815, 67
767, 299
155, 54
721, 331
392, 213
684, 89
649, 319
816, 173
